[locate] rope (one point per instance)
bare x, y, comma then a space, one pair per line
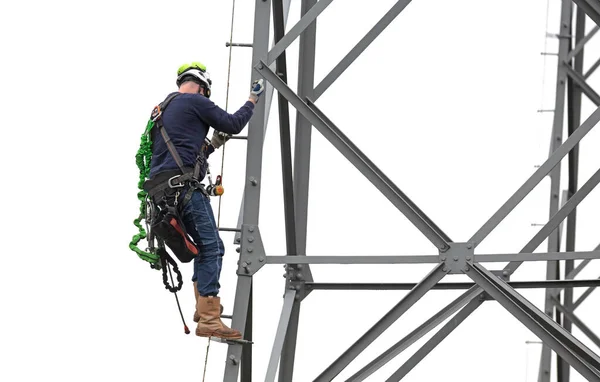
226, 104
142, 159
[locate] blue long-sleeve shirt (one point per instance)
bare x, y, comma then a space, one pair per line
187, 120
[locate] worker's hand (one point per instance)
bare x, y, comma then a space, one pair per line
219, 138
258, 88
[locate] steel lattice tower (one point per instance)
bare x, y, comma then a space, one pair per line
552, 324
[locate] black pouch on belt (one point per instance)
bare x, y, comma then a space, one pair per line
169, 227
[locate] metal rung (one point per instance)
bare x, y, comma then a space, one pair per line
554, 35
545, 111
243, 45
238, 137
548, 54
226, 316
229, 229
231, 342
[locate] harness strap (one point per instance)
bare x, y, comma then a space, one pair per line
171, 147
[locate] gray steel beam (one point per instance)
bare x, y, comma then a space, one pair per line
575, 320
581, 42
306, 70
246, 364
385, 322
571, 275
240, 312
555, 221
285, 137
537, 177
579, 268
434, 341
591, 8
574, 98
288, 355
525, 255
413, 337
543, 320
592, 69
303, 138
359, 160
341, 141
268, 98
282, 329
453, 286
307, 19
561, 341
583, 297
353, 260
431, 259
359, 48
252, 190
585, 87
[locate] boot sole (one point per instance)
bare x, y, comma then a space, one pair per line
214, 334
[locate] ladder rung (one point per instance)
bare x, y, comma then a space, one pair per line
243, 45
230, 229
230, 342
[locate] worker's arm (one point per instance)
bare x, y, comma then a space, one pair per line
220, 136
221, 120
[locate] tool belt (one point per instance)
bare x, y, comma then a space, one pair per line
170, 191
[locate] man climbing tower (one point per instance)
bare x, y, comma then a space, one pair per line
183, 151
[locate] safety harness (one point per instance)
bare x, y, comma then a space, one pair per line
170, 191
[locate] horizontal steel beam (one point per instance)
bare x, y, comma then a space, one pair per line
431, 259
353, 260
543, 256
454, 286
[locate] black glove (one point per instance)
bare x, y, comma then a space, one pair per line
219, 138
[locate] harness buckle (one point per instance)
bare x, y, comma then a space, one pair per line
156, 113
178, 185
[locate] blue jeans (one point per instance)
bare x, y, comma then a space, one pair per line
199, 222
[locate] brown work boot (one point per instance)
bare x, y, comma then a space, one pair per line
197, 294
210, 324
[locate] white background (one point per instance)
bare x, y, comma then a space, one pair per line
444, 102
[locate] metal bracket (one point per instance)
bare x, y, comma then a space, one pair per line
502, 275
252, 251
484, 296
295, 280
455, 258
